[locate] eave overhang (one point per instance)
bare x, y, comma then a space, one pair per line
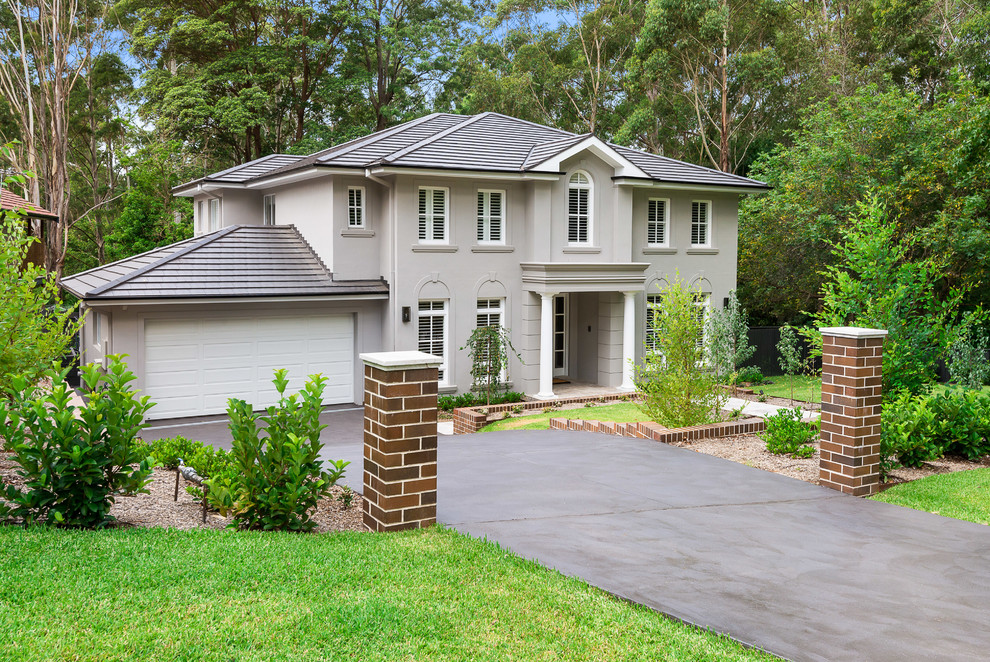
557, 277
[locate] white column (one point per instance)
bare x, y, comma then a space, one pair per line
628, 341
546, 346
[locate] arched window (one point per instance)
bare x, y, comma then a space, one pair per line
579, 208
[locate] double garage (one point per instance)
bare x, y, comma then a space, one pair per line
191, 359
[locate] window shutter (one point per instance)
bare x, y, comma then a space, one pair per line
495, 215
656, 223
699, 223
439, 214
481, 216
422, 213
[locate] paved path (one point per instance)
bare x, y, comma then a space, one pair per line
762, 409
802, 571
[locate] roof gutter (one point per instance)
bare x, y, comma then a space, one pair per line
455, 172
757, 188
172, 301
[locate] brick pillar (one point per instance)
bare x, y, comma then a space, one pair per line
400, 440
852, 374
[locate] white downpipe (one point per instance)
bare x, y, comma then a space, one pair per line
628, 340
546, 346
393, 304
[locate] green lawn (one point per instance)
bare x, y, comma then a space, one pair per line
624, 412
806, 389
962, 495
153, 594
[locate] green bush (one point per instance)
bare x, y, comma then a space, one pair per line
677, 387
279, 478
787, 434
75, 460
751, 374
452, 402
920, 428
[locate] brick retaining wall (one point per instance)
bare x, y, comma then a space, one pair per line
650, 430
468, 420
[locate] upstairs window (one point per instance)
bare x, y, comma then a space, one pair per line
432, 215
269, 205
201, 217
355, 206
491, 217
579, 208
214, 214
657, 223
701, 223
433, 332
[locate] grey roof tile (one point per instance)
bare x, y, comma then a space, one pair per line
243, 260
489, 141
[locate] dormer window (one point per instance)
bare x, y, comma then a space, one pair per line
579, 208
214, 214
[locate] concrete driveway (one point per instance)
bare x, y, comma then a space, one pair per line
793, 568
796, 569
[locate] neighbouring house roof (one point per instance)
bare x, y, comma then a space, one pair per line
238, 261
485, 142
14, 202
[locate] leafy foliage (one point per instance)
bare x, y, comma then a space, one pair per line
452, 402
787, 434
280, 477
34, 331
875, 284
75, 460
727, 339
967, 359
488, 349
677, 389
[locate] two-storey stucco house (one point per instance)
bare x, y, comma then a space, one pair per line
408, 239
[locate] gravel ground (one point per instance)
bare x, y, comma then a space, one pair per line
750, 450
159, 509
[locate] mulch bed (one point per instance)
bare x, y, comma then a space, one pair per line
157, 508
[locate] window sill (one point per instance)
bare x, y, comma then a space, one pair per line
447, 388
702, 251
582, 249
434, 248
659, 250
492, 248
357, 232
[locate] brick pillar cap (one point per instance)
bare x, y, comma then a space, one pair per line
852, 332
401, 360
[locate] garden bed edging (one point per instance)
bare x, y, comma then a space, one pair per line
657, 432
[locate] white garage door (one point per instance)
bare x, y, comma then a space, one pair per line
192, 366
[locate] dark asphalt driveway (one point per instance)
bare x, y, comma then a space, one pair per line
796, 569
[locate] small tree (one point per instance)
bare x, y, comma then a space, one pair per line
727, 336
35, 330
967, 357
488, 348
789, 350
677, 388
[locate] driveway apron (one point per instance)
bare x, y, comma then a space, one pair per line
796, 569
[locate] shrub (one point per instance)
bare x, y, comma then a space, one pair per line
34, 332
751, 374
727, 334
75, 460
967, 358
920, 428
677, 389
488, 349
279, 479
789, 351
787, 434
452, 402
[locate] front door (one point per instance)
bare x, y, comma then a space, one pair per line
560, 325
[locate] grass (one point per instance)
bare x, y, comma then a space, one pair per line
155, 594
806, 389
962, 495
624, 412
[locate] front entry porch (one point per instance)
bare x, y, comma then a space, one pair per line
585, 315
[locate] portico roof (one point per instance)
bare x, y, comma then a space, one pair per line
557, 277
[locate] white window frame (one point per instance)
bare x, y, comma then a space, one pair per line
215, 222
358, 211
707, 223
444, 376
485, 218
653, 303
431, 219
664, 223
500, 311
703, 301
590, 188
268, 209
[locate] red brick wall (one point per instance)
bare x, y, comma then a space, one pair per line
400, 448
471, 419
852, 374
649, 430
